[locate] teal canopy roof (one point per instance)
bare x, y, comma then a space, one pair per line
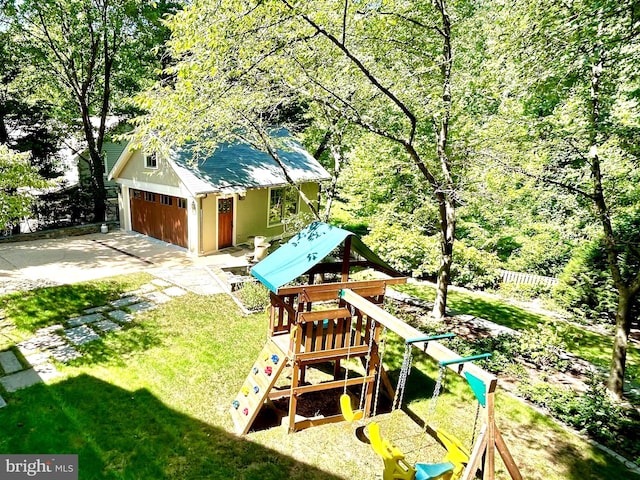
305, 250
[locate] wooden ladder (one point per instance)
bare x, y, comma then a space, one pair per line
255, 389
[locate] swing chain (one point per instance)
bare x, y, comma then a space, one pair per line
436, 393
475, 426
365, 384
346, 363
402, 379
381, 356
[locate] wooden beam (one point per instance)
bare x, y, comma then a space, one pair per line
331, 385
336, 287
326, 355
314, 422
433, 348
512, 468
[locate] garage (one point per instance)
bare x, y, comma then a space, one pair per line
159, 216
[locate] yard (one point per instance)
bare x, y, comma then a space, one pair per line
151, 401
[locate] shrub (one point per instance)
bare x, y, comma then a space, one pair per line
473, 268
254, 296
592, 412
585, 287
543, 347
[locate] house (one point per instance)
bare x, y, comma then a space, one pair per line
67, 199
224, 199
111, 151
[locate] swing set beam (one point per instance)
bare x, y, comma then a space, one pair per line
490, 438
434, 349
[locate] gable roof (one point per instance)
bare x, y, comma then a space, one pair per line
236, 167
308, 248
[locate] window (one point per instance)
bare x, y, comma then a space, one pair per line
137, 194
151, 160
182, 203
150, 197
283, 203
166, 200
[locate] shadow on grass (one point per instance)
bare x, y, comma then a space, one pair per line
41, 307
131, 434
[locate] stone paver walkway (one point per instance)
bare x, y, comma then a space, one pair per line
59, 342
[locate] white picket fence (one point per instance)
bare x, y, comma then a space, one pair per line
526, 278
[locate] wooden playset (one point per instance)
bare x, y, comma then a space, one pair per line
334, 322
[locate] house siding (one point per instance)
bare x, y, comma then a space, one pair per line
209, 232
252, 212
152, 179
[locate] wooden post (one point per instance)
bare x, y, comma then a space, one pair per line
293, 397
374, 360
346, 256
490, 456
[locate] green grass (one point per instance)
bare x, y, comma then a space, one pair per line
151, 402
591, 346
42, 307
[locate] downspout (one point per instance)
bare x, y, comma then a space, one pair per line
200, 226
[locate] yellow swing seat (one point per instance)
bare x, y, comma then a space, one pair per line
397, 468
347, 411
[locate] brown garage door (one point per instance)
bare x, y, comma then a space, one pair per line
159, 216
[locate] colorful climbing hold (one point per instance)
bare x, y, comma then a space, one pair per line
245, 390
275, 359
255, 370
268, 370
256, 389
236, 404
245, 411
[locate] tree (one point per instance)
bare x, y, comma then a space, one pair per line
88, 55
17, 176
25, 126
386, 68
575, 76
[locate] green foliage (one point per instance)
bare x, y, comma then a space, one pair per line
543, 346
84, 58
406, 250
585, 287
593, 412
17, 176
254, 296
473, 268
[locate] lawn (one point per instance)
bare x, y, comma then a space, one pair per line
151, 402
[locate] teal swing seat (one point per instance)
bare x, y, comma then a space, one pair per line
427, 471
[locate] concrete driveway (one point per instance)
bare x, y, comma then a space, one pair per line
26, 265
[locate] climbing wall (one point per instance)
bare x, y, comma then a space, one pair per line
256, 387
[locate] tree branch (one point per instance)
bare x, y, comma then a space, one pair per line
364, 70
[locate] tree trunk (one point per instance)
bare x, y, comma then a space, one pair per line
330, 192
615, 383
446, 197
447, 238
96, 168
4, 134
